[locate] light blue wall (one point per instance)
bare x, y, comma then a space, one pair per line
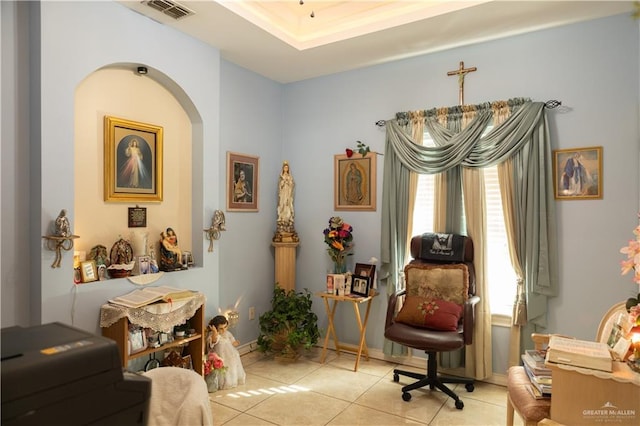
250, 123
591, 67
305, 123
70, 40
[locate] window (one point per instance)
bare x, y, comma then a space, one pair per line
500, 275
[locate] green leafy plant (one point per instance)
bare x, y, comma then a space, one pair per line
290, 325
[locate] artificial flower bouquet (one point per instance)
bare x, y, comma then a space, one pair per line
632, 263
339, 237
213, 364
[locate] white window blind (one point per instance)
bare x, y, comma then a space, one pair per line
500, 275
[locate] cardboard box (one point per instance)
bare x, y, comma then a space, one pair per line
582, 396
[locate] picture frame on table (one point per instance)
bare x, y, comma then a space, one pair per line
132, 161
88, 271
360, 285
578, 173
242, 182
355, 182
367, 270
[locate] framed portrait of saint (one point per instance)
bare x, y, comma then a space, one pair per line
242, 182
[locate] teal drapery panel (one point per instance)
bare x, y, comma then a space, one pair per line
394, 230
525, 127
536, 225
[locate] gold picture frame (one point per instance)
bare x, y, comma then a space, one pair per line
88, 271
578, 173
132, 161
242, 182
355, 182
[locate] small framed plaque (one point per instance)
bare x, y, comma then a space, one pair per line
137, 217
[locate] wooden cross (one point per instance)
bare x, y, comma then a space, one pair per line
461, 72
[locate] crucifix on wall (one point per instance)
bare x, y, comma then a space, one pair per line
461, 72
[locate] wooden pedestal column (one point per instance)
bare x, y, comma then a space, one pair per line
286, 264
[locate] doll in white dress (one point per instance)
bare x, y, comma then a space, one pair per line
222, 342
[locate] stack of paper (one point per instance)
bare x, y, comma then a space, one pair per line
580, 353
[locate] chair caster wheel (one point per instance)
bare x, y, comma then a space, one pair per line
396, 377
406, 396
459, 405
469, 387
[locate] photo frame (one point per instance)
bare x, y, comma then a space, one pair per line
88, 271
137, 340
367, 270
577, 173
242, 182
355, 182
132, 161
360, 285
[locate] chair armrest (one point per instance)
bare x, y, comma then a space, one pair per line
391, 307
469, 310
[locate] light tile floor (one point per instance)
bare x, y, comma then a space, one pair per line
310, 393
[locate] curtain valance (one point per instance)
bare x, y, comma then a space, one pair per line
466, 146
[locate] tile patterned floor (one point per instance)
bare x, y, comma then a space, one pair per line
310, 393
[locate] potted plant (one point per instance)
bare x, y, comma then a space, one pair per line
289, 326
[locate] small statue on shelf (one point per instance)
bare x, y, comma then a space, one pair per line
63, 228
170, 253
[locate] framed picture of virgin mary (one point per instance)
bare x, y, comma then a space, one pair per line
355, 182
578, 173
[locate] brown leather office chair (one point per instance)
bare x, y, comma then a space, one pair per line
438, 310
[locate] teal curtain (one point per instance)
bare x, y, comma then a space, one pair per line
523, 135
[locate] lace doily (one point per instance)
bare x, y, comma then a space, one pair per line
179, 314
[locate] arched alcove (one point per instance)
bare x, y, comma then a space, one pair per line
119, 91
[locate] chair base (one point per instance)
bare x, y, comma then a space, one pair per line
433, 380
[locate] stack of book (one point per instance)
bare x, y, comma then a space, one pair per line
539, 374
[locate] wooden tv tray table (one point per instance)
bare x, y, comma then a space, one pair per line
362, 324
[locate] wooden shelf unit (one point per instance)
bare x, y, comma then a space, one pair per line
119, 332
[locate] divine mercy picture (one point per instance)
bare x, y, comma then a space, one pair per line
132, 161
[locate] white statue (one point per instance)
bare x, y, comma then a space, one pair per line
286, 186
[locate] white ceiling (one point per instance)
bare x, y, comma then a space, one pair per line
281, 41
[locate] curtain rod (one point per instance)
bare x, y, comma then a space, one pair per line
549, 105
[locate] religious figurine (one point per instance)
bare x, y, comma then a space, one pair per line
217, 225
63, 228
286, 185
170, 253
153, 263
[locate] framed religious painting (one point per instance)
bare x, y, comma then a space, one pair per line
132, 161
355, 182
578, 173
242, 182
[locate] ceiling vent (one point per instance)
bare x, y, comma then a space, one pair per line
170, 8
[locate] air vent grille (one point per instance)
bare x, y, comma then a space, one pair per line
170, 8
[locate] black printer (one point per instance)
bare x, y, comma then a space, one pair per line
54, 374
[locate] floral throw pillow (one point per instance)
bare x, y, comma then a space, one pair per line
435, 314
435, 281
